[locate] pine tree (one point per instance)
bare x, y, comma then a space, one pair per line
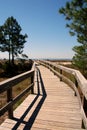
75, 13
11, 39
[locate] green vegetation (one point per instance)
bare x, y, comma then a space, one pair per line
8, 70
11, 39
80, 58
75, 13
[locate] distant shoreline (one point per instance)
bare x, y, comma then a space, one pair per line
59, 60
54, 59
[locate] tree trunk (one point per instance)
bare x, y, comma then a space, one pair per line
9, 55
12, 55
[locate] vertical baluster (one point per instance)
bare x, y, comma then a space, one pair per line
85, 105
32, 81
9, 98
76, 84
61, 74
54, 69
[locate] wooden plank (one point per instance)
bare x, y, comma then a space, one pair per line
4, 85
9, 125
54, 125
58, 109
58, 128
54, 106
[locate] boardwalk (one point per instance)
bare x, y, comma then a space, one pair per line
53, 106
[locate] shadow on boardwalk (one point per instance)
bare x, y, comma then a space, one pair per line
32, 118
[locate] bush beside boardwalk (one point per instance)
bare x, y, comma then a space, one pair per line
9, 70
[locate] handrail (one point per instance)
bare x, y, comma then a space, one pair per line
82, 82
7, 86
79, 83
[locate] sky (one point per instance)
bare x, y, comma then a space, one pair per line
48, 36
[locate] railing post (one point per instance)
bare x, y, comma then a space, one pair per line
32, 81
9, 98
49, 66
54, 69
85, 109
76, 84
61, 74
85, 105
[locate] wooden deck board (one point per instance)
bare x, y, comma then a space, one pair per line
61, 97
52, 107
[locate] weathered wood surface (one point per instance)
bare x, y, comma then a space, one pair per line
82, 82
77, 82
52, 107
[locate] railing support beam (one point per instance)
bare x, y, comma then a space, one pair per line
61, 74
9, 98
76, 84
32, 81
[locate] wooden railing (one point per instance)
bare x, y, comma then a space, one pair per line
8, 84
76, 81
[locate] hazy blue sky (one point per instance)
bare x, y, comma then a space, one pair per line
47, 35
